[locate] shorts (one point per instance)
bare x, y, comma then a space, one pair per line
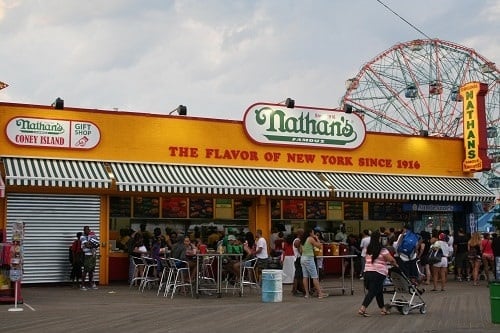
298, 269
488, 256
262, 263
442, 263
89, 264
308, 267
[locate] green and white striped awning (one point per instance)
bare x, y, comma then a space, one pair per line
55, 173
187, 179
402, 187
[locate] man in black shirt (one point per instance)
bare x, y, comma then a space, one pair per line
460, 250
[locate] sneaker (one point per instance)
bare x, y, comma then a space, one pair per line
361, 278
83, 288
94, 287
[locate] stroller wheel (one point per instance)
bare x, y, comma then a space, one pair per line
423, 309
405, 309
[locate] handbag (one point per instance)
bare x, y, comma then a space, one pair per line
435, 255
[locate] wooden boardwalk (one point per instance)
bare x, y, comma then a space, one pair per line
116, 308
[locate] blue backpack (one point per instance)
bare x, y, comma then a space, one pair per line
409, 243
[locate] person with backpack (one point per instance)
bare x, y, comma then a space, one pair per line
76, 260
406, 253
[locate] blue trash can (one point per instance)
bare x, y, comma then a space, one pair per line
272, 286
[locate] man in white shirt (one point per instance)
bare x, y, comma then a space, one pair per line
298, 283
365, 241
261, 252
341, 235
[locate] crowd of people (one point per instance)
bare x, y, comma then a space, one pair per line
469, 257
434, 255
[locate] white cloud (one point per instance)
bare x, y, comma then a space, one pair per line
215, 56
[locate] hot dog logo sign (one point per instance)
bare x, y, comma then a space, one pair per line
326, 128
53, 133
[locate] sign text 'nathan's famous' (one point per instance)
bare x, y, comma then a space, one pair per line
275, 124
53, 133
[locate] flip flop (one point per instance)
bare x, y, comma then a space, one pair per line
363, 313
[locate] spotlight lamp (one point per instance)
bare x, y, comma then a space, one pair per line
289, 103
181, 110
348, 108
58, 104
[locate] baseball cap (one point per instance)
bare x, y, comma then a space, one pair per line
231, 238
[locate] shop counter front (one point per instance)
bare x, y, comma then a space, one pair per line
118, 266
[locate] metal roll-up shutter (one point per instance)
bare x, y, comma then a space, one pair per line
51, 224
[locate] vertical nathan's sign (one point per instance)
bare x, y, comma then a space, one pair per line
475, 140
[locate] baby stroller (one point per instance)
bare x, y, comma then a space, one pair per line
406, 295
389, 286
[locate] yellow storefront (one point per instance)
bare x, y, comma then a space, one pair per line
65, 168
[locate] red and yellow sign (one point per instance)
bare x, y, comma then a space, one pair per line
475, 140
146, 138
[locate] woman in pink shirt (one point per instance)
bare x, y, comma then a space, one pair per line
376, 271
487, 255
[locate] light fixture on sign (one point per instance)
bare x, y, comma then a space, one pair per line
58, 104
424, 132
181, 110
289, 103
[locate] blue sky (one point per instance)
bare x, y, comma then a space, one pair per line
215, 57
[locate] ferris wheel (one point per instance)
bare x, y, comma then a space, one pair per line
413, 88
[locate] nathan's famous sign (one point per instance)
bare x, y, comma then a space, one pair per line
302, 126
53, 133
475, 139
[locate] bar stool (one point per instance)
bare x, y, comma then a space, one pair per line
179, 274
150, 275
166, 276
207, 272
137, 276
249, 274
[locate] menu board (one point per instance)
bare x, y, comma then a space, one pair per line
120, 206
146, 207
174, 208
276, 209
353, 210
293, 209
241, 209
335, 210
390, 211
315, 210
201, 208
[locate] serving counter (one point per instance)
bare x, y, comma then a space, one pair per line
118, 266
